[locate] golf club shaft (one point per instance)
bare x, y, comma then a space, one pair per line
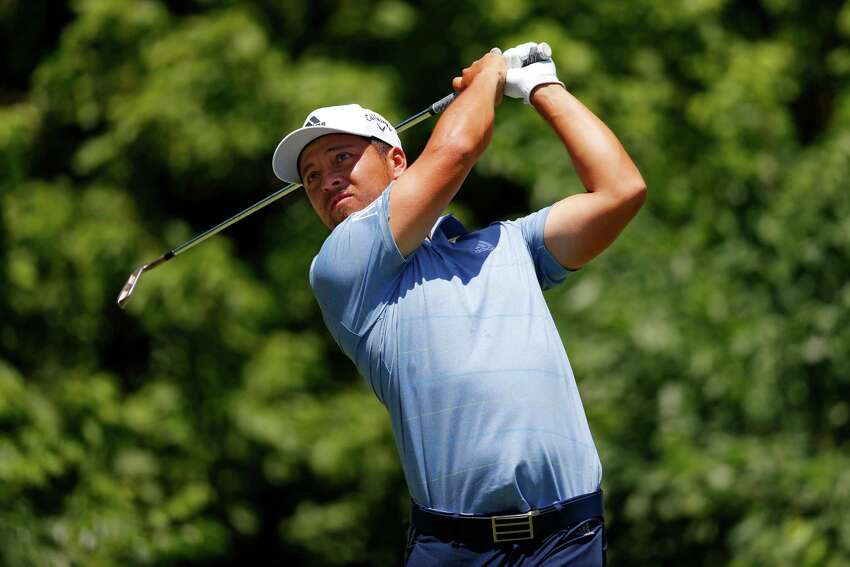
541, 52
128, 288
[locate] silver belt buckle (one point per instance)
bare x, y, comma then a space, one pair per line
517, 527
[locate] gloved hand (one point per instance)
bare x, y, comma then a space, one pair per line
521, 81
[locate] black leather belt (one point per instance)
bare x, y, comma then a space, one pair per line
533, 525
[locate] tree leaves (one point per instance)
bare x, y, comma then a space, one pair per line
215, 419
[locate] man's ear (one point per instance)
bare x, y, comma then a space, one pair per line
398, 161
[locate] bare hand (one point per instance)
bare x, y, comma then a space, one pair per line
492, 65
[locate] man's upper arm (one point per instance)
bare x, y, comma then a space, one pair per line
581, 226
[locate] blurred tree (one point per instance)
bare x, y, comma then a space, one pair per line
215, 421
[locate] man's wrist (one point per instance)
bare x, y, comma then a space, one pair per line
492, 76
545, 91
489, 81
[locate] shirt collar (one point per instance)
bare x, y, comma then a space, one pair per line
446, 228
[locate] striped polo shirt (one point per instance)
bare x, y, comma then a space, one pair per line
457, 342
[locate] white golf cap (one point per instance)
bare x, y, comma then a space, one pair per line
345, 119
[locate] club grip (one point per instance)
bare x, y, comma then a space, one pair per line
540, 52
442, 104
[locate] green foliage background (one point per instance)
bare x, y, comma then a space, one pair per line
215, 421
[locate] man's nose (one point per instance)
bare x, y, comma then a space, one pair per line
333, 181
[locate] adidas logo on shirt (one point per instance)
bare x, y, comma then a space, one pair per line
482, 247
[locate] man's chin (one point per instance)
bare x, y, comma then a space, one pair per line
336, 219
343, 211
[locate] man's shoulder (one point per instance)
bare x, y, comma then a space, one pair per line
358, 226
358, 256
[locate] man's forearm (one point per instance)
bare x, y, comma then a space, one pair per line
467, 124
600, 160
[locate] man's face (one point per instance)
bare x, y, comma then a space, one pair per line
343, 173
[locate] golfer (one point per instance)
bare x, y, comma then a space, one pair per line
450, 328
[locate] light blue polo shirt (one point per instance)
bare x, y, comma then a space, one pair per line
458, 343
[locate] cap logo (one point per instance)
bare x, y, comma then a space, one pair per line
313, 121
380, 122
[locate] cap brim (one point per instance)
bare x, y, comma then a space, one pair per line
285, 158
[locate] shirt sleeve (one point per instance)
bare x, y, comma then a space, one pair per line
549, 271
356, 266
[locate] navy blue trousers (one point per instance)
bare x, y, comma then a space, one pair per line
583, 545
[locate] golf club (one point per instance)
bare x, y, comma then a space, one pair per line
541, 52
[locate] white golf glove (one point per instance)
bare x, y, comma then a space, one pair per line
521, 81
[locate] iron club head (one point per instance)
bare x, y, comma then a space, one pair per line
128, 288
